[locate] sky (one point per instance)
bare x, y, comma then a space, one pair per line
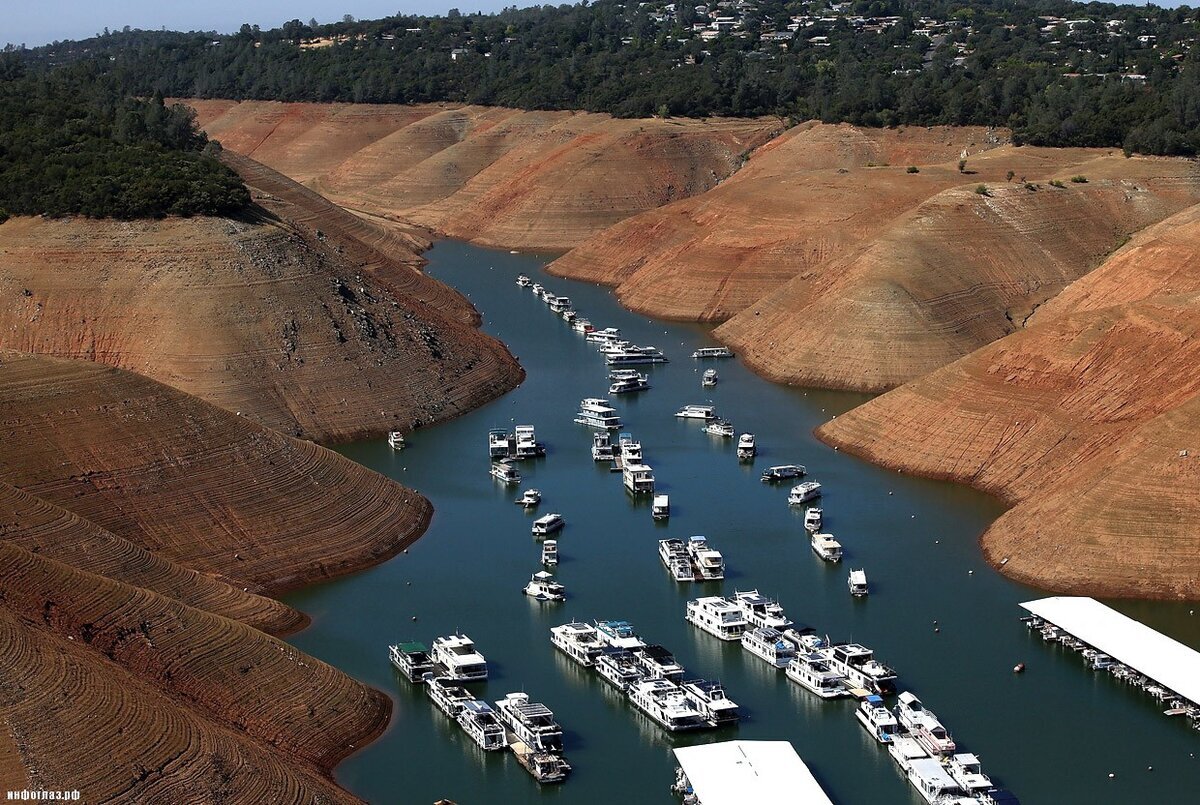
37, 22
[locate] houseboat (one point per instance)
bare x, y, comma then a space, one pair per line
783, 472
768, 644
812, 672
713, 352
537, 289
635, 356
660, 509
667, 704
446, 694
746, 448
858, 664
396, 440
720, 427
411, 659
504, 472
707, 561
457, 655
500, 443
579, 641
638, 478
826, 547
804, 492
629, 448
717, 616
812, 519
531, 722
619, 634
604, 336
659, 663
598, 413
857, 583
967, 771
710, 699
479, 721
761, 611
675, 559
530, 499
523, 281
934, 783
904, 749
559, 304
527, 444
620, 667
629, 384
709, 378
543, 587
624, 374
545, 767
582, 326
547, 524
550, 552
569, 315
876, 719
924, 725
602, 446
704, 412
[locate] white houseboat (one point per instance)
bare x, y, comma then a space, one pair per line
924, 725
826, 547
812, 672
527, 444
446, 694
904, 749
457, 655
709, 378
857, 583
717, 616
675, 559
560, 304
858, 664
550, 552
705, 412
629, 384
479, 721
602, 446
768, 644
934, 783
710, 699
582, 326
629, 448
531, 722
500, 443
504, 472
635, 356
620, 667
720, 427
523, 281
547, 524
667, 704
713, 352
804, 492
813, 519
707, 562
783, 472
598, 413
967, 771
604, 336
659, 663
638, 478
619, 634
543, 587
746, 448
396, 440
761, 611
529, 499
579, 641
661, 508
876, 719
411, 659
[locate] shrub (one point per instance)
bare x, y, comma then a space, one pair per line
1056, 183
1079, 179
982, 190
912, 169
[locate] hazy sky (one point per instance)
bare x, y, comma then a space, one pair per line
36, 22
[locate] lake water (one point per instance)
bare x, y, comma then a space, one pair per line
1051, 735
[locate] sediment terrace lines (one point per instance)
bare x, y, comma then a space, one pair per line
500, 177
310, 324
202, 486
51, 531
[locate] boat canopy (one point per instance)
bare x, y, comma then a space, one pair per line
737, 772
1163, 659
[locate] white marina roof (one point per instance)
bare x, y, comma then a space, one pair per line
738, 772
1168, 662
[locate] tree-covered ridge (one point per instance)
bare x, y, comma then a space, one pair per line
1057, 73
70, 142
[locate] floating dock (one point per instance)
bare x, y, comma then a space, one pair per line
1161, 659
738, 772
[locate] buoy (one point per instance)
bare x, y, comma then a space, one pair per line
408, 584
414, 617
970, 572
891, 493
1149, 768
1019, 668
937, 542
1111, 775
937, 630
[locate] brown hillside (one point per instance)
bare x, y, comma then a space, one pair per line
136, 522
501, 177
1046, 418
952, 275
808, 196
304, 322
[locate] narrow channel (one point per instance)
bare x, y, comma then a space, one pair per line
936, 612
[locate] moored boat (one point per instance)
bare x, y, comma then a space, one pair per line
857, 583
826, 547
604, 336
504, 472
523, 281
707, 561
710, 699
760, 610
768, 644
811, 671
619, 634
967, 771
709, 378
545, 767
675, 559
478, 720
531, 722
620, 667
924, 725
547, 524
582, 326
500, 443
746, 449
543, 587
456, 654
527, 445
629, 448
876, 719
530, 498
661, 507
634, 356
579, 641
934, 783
813, 519
396, 440
411, 659
783, 472
720, 427
598, 413
446, 694
717, 616
696, 412
804, 492
550, 552
858, 664
667, 704
638, 478
602, 446
713, 352
629, 384
659, 663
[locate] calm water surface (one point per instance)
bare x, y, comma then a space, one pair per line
1052, 735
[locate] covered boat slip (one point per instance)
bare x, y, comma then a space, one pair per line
739, 772
1164, 660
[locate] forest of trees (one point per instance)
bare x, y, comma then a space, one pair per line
1065, 89
72, 142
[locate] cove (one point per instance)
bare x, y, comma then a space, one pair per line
1051, 735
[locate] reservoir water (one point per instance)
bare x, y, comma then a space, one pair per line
1051, 735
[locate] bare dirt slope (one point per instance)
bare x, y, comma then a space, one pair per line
138, 528
501, 177
306, 319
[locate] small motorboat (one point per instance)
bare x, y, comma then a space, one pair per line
530, 499
543, 587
